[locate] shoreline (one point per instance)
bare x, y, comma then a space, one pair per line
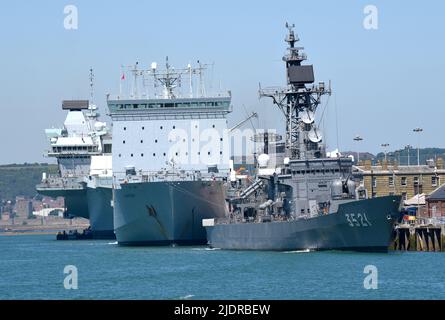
11, 230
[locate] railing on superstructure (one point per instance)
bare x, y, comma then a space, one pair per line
170, 176
58, 182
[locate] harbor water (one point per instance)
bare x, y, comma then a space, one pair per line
32, 267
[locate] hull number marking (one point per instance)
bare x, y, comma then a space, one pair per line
357, 220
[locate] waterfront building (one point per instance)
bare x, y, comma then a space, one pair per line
435, 203
388, 178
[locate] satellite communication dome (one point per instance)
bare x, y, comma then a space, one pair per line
99, 125
263, 160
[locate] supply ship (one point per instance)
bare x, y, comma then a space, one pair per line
169, 168
301, 199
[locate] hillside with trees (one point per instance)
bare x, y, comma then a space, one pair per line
21, 179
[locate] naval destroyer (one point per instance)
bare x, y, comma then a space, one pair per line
82, 148
169, 167
303, 200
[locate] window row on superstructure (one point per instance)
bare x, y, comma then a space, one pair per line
205, 104
76, 148
173, 127
165, 154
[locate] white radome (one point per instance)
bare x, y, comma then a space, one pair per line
263, 160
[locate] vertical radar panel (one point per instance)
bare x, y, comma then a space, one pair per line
300, 74
75, 104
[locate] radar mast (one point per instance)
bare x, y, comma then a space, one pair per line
299, 102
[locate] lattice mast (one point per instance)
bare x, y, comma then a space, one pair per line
298, 102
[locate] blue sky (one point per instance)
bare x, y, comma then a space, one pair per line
385, 81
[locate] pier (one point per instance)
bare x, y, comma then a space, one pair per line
419, 237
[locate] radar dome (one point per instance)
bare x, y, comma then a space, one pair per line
263, 160
100, 125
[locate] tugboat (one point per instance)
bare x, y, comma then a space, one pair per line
86, 234
303, 200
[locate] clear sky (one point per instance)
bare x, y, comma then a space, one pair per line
385, 81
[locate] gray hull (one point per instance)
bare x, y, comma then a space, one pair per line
344, 230
75, 200
101, 212
163, 213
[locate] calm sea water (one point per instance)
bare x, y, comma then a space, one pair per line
31, 267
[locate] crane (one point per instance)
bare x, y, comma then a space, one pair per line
253, 115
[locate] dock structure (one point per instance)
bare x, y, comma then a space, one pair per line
421, 237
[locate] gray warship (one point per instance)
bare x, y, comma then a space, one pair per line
302, 199
83, 152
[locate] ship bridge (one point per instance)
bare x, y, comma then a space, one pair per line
170, 108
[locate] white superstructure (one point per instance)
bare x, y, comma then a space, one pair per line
168, 128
